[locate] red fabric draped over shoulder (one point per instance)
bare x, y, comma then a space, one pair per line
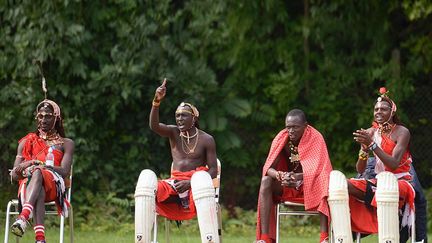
36, 148
360, 213
316, 166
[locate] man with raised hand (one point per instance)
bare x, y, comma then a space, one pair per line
189, 191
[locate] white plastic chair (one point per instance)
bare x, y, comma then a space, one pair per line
288, 208
216, 184
51, 209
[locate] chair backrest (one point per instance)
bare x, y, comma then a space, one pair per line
217, 180
68, 184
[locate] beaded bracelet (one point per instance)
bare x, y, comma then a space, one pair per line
363, 155
155, 104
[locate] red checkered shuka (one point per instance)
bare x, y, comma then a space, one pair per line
316, 166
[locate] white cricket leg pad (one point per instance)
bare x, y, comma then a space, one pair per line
203, 193
339, 207
145, 206
387, 198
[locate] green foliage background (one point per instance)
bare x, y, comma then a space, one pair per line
243, 63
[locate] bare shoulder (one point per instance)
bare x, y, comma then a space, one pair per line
21, 145
173, 128
68, 143
402, 131
206, 137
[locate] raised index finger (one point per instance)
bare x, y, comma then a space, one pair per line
164, 82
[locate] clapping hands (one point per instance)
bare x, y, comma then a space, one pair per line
363, 137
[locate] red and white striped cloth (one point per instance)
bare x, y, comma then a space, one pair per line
39, 230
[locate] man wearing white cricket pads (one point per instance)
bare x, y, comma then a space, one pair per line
374, 203
190, 191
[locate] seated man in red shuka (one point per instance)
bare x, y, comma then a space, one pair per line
388, 140
180, 197
39, 182
297, 169
192, 150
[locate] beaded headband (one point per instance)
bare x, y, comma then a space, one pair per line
384, 97
45, 102
194, 111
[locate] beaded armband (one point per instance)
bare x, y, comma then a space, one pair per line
363, 155
155, 102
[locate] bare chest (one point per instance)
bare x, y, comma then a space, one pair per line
188, 152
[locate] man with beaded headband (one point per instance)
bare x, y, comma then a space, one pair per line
192, 150
388, 140
38, 182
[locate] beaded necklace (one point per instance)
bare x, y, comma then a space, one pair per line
294, 155
385, 128
188, 136
186, 143
51, 138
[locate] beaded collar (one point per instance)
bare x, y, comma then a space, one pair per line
294, 155
51, 138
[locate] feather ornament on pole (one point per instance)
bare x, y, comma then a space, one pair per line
44, 88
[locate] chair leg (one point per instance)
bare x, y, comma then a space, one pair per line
7, 224
155, 229
219, 216
6, 239
71, 224
167, 230
62, 219
277, 222
332, 237
358, 238
413, 230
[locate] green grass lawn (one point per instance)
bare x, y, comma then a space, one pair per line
99, 237
185, 234
235, 231
175, 237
